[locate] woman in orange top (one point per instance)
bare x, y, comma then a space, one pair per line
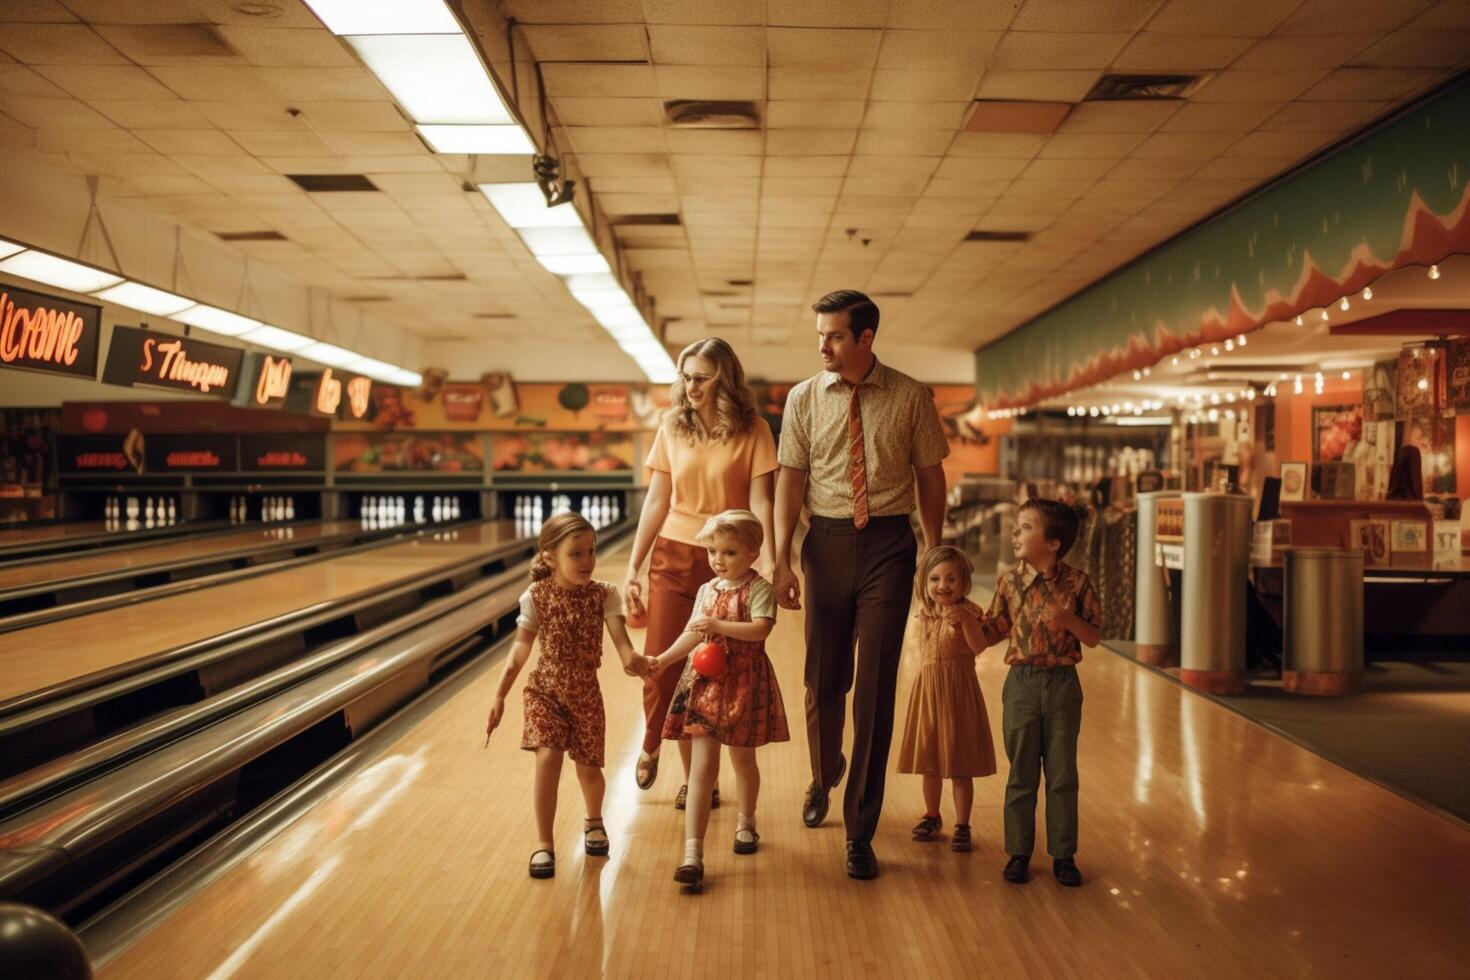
713, 453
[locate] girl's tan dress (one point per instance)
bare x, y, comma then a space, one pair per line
947, 732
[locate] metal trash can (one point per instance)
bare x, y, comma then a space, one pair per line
1155, 631
1322, 628
1217, 530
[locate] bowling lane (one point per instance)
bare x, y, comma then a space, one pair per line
1211, 848
172, 551
31, 659
46, 533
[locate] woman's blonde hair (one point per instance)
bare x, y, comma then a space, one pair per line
734, 403
932, 559
741, 525
553, 533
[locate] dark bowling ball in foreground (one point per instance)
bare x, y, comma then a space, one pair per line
36, 944
709, 660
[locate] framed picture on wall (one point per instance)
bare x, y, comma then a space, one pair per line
1293, 481
1335, 428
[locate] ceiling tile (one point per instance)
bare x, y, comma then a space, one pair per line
617, 139
1043, 50
57, 44
1210, 17
606, 81
894, 142
1279, 85
915, 85
53, 113
1146, 168
936, 49
1417, 49
21, 80
1446, 15
739, 142
269, 143
1302, 51
1180, 53
915, 115
1084, 15
827, 13
1325, 116
1021, 146
1064, 169
716, 165
1361, 84
818, 83
199, 83
1277, 145
1219, 117
1364, 15
979, 168
580, 111
326, 84
587, 42
892, 166
289, 48
724, 46
89, 82
686, 82
94, 141
841, 49
1085, 145
816, 142
623, 164
805, 166
251, 115
1119, 117
813, 115
1041, 86
1242, 167
190, 142
692, 11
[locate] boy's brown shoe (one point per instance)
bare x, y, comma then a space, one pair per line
1016, 871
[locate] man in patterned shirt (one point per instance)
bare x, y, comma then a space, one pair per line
1047, 609
857, 441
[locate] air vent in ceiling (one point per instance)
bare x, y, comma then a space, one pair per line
250, 236
711, 114
644, 219
998, 236
1112, 88
325, 183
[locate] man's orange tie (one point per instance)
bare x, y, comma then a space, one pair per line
857, 468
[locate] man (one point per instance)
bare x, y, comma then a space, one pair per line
857, 440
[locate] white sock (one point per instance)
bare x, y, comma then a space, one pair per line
694, 851
742, 822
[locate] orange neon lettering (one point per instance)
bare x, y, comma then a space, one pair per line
275, 379
328, 393
38, 335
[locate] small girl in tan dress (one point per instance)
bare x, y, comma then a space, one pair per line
947, 733
565, 609
739, 707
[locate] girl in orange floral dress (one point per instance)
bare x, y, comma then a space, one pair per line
740, 707
566, 609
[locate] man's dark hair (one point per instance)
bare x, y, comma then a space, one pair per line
1058, 522
862, 312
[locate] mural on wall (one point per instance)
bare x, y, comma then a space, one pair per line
428, 452
562, 452
1397, 197
498, 404
1334, 429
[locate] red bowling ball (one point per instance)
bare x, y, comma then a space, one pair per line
709, 660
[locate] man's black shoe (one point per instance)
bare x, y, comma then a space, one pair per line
1016, 870
814, 808
1066, 871
862, 863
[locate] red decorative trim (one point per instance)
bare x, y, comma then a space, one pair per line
1322, 683
1427, 239
1155, 655
1220, 682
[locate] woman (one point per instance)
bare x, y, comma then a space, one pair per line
712, 453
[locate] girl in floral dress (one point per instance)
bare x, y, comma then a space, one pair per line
566, 608
739, 707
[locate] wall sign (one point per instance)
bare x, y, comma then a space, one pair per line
272, 381
358, 401
206, 452
283, 452
148, 357
44, 333
111, 453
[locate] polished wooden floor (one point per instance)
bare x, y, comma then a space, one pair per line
40, 656
46, 533
172, 550
1212, 848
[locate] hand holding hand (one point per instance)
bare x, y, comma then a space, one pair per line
788, 589
958, 615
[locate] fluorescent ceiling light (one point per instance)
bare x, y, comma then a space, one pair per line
1137, 420
566, 265
9, 248
406, 378
136, 296
385, 16
276, 338
378, 370
558, 241
477, 139
214, 319
524, 206
437, 78
615, 318
61, 273
329, 354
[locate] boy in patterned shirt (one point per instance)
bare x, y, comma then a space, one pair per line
1047, 609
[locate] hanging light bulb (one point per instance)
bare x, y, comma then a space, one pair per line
1347, 375
1423, 384
1137, 375
1344, 305
1147, 372
1071, 411
1214, 351
1298, 319
1214, 415
1214, 398
1297, 388
1176, 360
1240, 341
1229, 345
1324, 314
1434, 272
1367, 292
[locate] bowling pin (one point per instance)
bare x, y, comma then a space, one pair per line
438, 509
290, 508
